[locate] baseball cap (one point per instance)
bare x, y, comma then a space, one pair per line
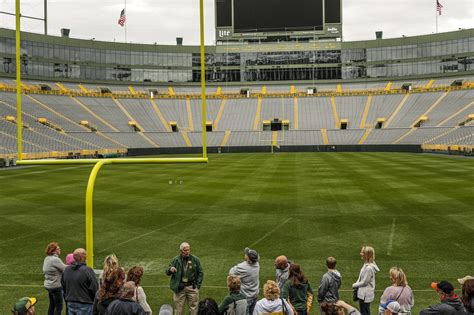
443, 286
462, 280
23, 304
391, 305
251, 254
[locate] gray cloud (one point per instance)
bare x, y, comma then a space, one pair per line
161, 21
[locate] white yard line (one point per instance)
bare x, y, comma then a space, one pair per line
164, 287
269, 233
139, 236
392, 235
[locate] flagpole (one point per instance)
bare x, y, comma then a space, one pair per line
436, 14
127, 23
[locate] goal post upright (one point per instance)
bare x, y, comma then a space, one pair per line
98, 164
18, 81
203, 81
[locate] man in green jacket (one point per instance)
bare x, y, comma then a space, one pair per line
186, 278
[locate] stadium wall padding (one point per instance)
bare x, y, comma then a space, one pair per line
298, 148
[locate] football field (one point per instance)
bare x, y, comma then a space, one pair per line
416, 211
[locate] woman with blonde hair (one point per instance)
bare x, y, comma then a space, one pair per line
53, 268
365, 284
110, 265
399, 291
272, 302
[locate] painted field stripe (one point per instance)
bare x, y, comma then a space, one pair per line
334, 112
139, 236
167, 286
365, 135
295, 114
390, 239
226, 138
190, 115
160, 115
219, 114
366, 112
431, 108
455, 114
270, 232
256, 121
324, 134
186, 139
399, 107
87, 109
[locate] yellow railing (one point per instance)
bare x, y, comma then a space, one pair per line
267, 94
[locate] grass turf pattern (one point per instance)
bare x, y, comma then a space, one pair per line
416, 210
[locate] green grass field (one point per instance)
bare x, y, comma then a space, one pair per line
416, 210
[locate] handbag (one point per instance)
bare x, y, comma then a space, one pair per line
354, 294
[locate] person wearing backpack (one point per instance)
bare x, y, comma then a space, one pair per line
272, 303
298, 291
235, 303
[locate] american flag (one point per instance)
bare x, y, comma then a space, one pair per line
122, 19
439, 7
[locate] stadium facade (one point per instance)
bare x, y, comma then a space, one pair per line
55, 58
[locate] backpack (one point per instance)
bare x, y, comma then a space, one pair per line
239, 307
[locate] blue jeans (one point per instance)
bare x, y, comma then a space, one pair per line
74, 308
55, 301
364, 307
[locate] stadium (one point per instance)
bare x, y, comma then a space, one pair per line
294, 142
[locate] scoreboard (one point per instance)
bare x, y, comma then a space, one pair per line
252, 19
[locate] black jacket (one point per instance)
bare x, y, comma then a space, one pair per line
79, 284
125, 307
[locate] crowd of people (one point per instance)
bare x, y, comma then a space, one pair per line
118, 292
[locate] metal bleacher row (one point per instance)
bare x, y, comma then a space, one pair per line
76, 117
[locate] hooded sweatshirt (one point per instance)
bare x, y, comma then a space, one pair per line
329, 287
450, 306
366, 282
281, 275
248, 273
265, 306
79, 284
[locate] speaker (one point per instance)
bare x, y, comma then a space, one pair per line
65, 32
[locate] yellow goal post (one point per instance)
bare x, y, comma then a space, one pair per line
99, 163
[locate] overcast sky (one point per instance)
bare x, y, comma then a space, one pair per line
161, 21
